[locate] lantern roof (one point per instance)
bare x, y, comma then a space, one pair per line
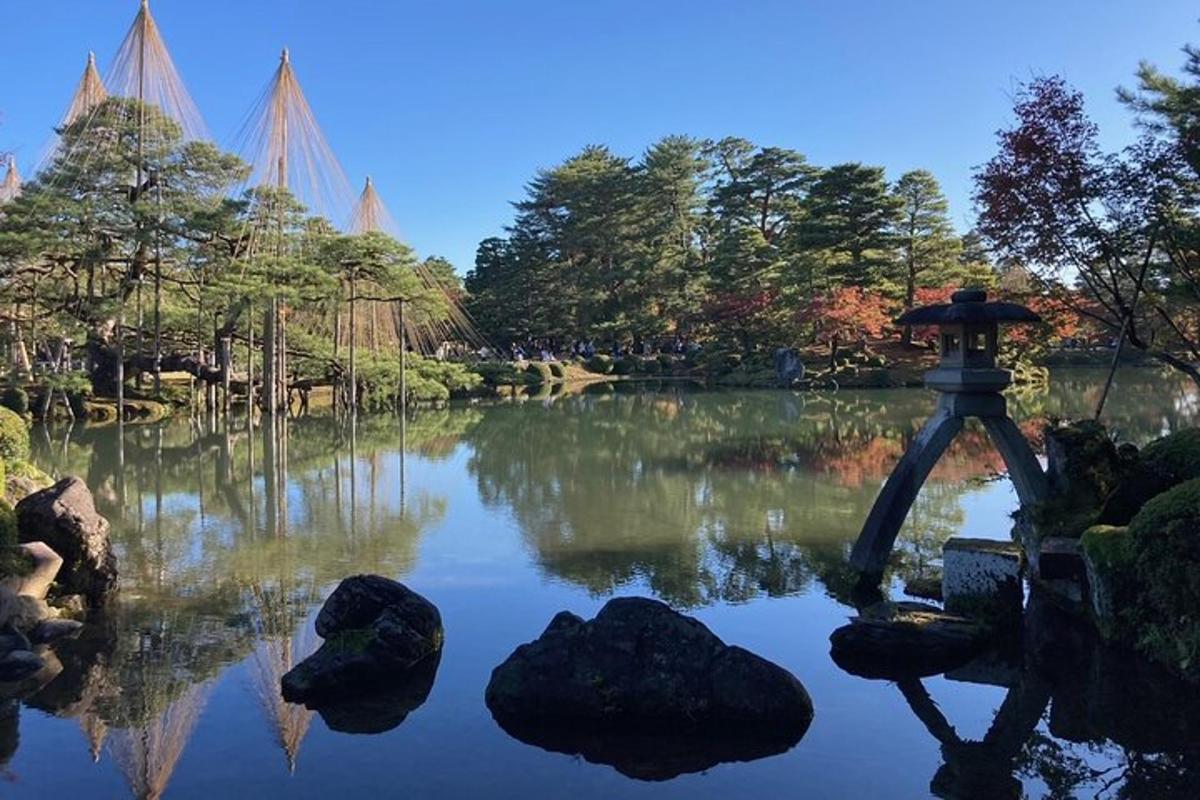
968, 305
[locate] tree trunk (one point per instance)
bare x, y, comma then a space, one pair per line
270, 381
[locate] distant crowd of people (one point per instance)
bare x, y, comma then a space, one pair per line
552, 350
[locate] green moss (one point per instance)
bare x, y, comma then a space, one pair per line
26, 469
1175, 456
8, 525
14, 437
600, 364
1085, 467
14, 561
1108, 545
1166, 546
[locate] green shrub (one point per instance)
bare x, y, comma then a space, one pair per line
1166, 548
624, 366
14, 437
15, 399
557, 370
426, 380
540, 372
666, 362
651, 366
1175, 456
501, 373
600, 364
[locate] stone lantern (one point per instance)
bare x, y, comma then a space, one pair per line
969, 383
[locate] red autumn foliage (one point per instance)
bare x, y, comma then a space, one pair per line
848, 314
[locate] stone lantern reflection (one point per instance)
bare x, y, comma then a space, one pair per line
970, 385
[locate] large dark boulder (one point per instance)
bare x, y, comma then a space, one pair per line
641, 687
375, 629
64, 517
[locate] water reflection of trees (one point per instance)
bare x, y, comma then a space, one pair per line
227, 539
713, 496
704, 497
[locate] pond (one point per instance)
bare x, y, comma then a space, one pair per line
736, 507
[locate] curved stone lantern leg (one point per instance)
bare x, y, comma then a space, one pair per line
879, 533
1023, 467
874, 545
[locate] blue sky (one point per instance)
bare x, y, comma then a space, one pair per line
452, 106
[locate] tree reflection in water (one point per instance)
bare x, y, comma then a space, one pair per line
227, 540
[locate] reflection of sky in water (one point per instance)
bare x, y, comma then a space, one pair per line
511, 519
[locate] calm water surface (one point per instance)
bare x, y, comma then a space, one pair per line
738, 507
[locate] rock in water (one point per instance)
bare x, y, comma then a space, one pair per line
382, 710
375, 629
64, 517
903, 640
18, 665
649, 690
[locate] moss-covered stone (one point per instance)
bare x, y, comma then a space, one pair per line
1084, 468
1166, 546
8, 524
1112, 583
1175, 456
14, 437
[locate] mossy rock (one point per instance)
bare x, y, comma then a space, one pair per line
1112, 581
1166, 547
599, 364
1175, 456
1084, 468
14, 437
1139, 486
8, 525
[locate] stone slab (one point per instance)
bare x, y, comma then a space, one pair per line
982, 576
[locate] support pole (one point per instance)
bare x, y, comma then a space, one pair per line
403, 371
353, 399
158, 291
874, 545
